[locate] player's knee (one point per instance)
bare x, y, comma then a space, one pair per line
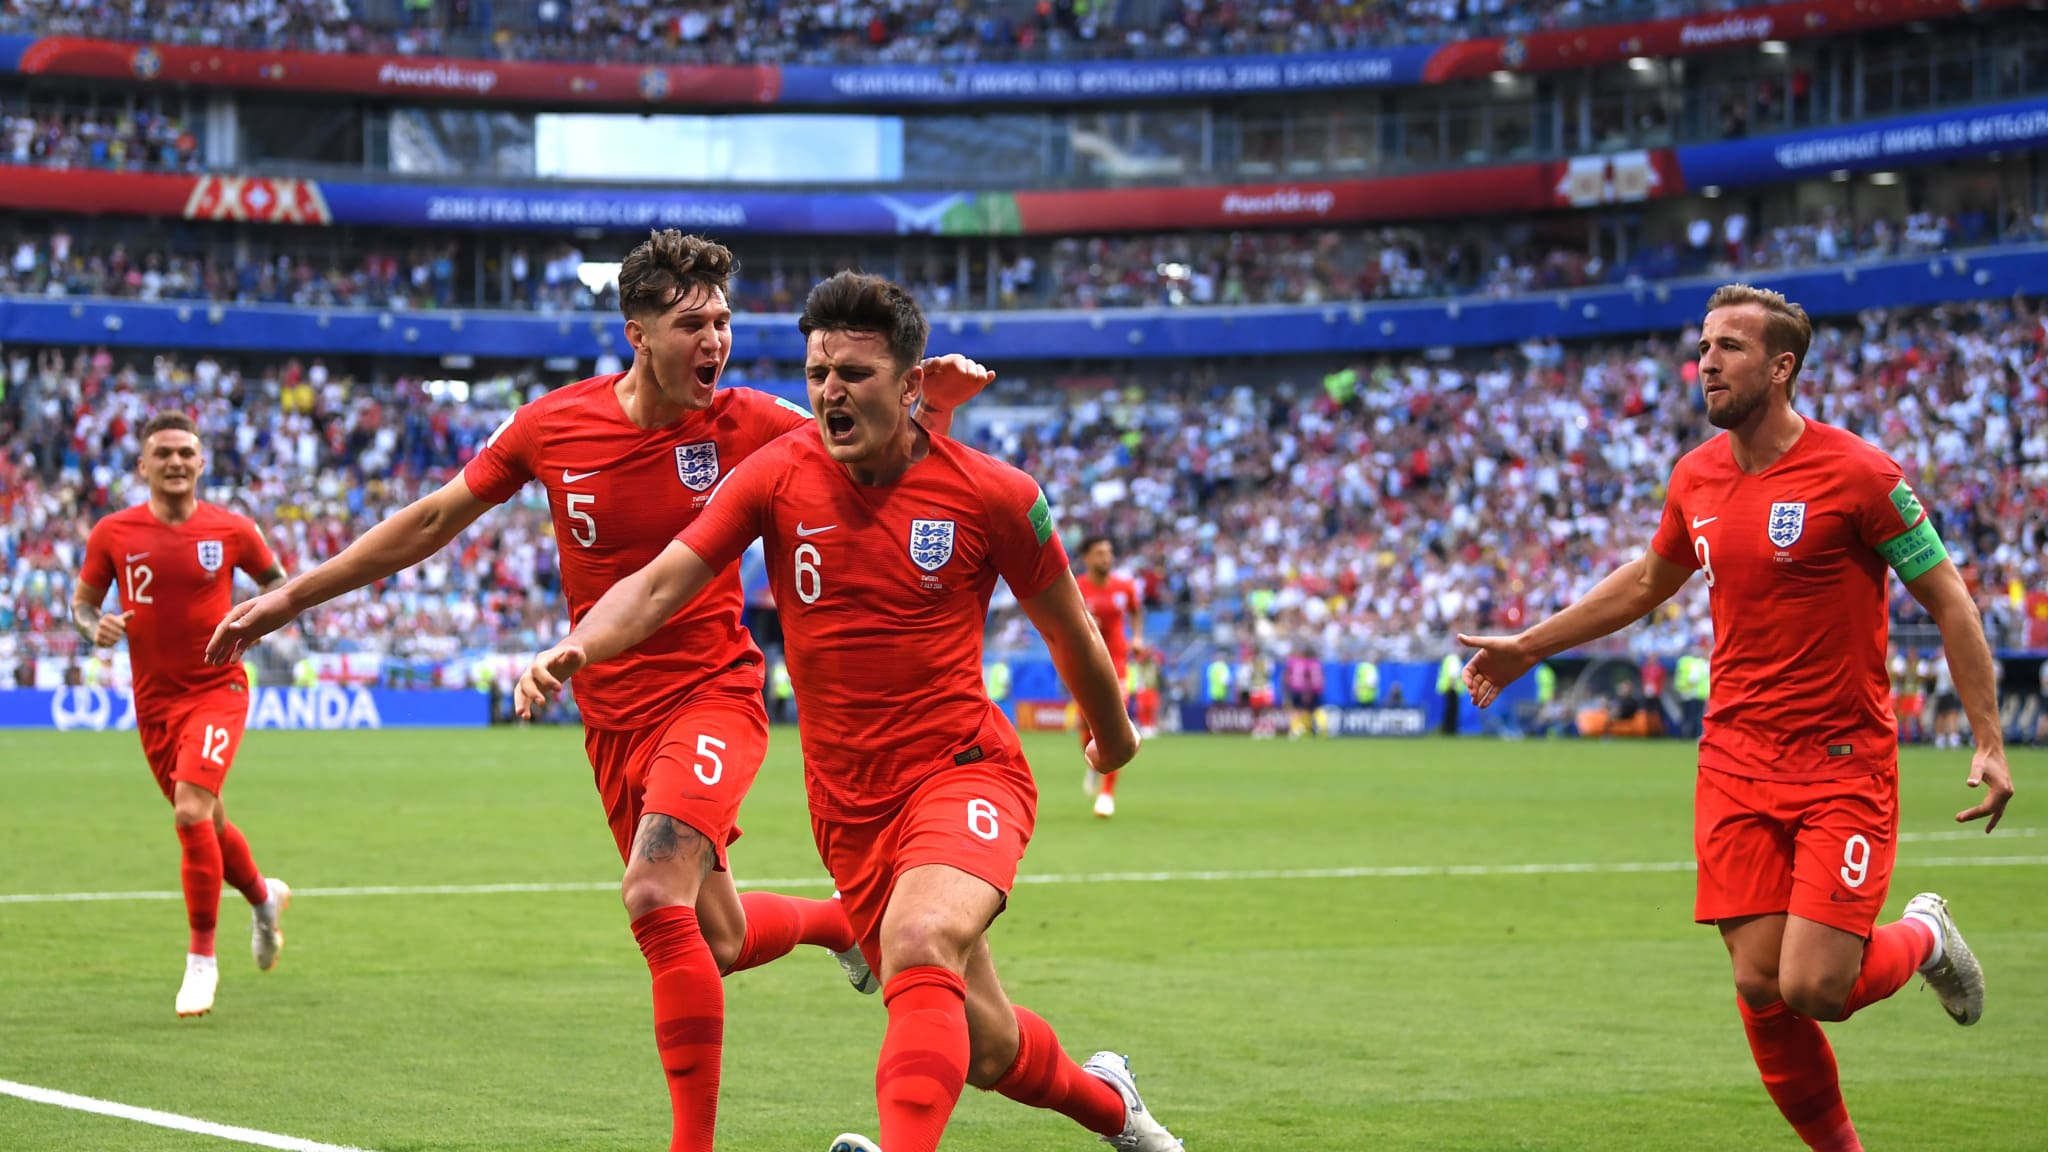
669, 862
190, 810
725, 942
927, 938
1757, 989
1816, 996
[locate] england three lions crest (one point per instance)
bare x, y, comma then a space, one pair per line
697, 465
212, 553
931, 543
1788, 522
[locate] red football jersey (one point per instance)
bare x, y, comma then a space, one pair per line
884, 597
1109, 602
619, 493
178, 579
1797, 590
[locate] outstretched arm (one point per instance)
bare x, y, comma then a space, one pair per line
1628, 594
1084, 666
629, 613
1942, 592
414, 533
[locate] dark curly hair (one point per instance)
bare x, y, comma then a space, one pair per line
858, 302
667, 267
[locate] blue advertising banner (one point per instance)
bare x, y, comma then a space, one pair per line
998, 337
1872, 145
791, 213
326, 707
1104, 79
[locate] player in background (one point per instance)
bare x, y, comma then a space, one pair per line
675, 732
1119, 613
1793, 524
884, 544
175, 559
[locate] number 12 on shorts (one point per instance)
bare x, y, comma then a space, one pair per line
214, 744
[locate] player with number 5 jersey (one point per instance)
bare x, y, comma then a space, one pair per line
884, 546
1793, 525
173, 561
676, 729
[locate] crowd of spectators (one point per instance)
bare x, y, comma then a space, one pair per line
1191, 269
836, 32
1368, 513
130, 138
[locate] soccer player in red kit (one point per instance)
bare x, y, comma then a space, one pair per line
175, 559
884, 545
676, 731
1796, 813
1120, 616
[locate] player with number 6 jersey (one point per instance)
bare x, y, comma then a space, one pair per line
676, 729
1793, 524
173, 561
884, 547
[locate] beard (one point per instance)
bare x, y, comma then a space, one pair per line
1734, 411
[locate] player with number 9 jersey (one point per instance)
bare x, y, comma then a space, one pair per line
1793, 523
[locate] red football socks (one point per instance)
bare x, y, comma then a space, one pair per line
1894, 953
1109, 783
924, 1057
689, 1020
776, 924
200, 872
1798, 1071
238, 866
1044, 1076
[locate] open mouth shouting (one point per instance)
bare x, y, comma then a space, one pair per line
839, 428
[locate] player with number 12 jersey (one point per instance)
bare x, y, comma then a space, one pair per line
173, 560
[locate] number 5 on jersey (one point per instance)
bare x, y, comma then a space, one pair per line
585, 530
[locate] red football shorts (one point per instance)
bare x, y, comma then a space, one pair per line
195, 739
976, 818
1821, 850
696, 767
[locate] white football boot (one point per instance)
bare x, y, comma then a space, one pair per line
266, 935
1105, 804
848, 1142
202, 979
1954, 975
857, 971
1142, 1132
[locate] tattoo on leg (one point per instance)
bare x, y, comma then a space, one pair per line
663, 839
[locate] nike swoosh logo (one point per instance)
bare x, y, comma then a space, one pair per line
1700, 521
569, 477
803, 531
135, 557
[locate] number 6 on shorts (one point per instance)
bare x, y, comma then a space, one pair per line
981, 819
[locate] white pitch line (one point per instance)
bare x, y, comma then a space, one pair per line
168, 1120
1384, 872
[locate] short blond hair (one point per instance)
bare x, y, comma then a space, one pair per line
1786, 327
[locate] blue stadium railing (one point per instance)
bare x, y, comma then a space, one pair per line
999, 337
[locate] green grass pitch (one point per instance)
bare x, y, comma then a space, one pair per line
1564, 1011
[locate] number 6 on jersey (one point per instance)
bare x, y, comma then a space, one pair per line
810, 583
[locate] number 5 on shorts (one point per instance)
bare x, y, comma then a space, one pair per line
708, 748
981, 819
1855, 861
